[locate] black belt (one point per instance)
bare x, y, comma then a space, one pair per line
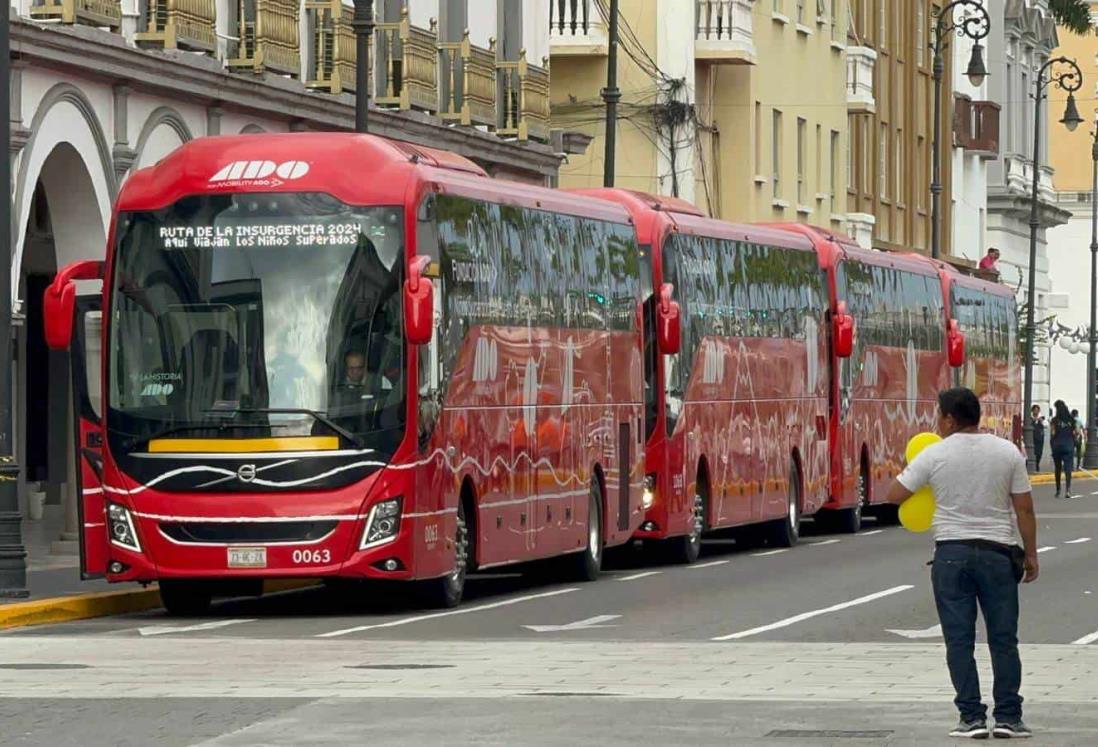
981, 544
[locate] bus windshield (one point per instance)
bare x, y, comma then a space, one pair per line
245, 315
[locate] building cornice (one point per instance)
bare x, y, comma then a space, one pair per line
1007, 202
101, 55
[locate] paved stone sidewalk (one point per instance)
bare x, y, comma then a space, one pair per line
167, 666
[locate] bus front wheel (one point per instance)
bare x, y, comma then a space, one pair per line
185, 598
685, 549
786, 531
588, 564
447, 591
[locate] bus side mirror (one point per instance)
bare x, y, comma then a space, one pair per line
59, 301
843, 332
668, 323
419, 302
955, 344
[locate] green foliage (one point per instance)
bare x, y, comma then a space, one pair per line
1074, 15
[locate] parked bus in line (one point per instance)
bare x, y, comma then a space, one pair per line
986, 314
338, 356
736, 420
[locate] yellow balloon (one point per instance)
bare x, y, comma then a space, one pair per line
919, 442
917, 512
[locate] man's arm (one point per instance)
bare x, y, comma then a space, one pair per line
1027, 527
897, 493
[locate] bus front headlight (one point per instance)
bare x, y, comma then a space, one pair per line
382, 525
120, 526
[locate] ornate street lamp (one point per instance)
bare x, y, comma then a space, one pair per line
363, 24
965, 18
1064, 74
1090, 456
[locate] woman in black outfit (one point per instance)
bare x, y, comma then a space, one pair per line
1062, 441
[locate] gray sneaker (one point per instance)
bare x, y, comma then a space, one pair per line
1012, 730
976, 729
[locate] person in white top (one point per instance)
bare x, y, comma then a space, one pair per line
985, 533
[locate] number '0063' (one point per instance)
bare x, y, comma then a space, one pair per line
312, 556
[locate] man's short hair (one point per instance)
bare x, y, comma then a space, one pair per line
993, 249
962, 405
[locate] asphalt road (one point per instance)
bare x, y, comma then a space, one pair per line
831, 642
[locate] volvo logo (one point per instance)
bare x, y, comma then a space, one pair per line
246, 472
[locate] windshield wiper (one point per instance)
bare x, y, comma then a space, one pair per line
135, 441
317, 416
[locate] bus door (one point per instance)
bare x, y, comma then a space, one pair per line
86, 359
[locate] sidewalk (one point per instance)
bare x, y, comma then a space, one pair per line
50, 574
1049, 478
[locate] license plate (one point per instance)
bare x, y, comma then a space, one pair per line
247, 557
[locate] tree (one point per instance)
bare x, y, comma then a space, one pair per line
1074, 15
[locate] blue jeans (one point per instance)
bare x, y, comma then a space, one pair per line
964, 575
1064, 462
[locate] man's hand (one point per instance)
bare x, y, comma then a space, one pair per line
1032, 568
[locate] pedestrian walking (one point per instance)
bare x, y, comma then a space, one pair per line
1062, 443
1037, 421
1080, 435
984, 519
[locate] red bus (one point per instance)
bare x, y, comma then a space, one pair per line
736, 421
986, 315
333, 355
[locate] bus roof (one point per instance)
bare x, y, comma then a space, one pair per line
355, 168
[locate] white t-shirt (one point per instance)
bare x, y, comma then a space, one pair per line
973, 476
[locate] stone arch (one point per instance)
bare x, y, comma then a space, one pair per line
55, 123
251, 129
163, 131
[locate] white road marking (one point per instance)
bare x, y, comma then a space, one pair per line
1046, 548
461, 611
814, 613
1077, 541
635, 576
591, 622
870, 533
1086, 639
823, 542
710, 564
934, 631
769, 552
165, 629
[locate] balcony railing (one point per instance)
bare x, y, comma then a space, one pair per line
89, 12
331, 63
577, 28
976, 126
724, 31
268, 37
1019, 178
409, 65
467, 76
172, 24
524, 99
860, 64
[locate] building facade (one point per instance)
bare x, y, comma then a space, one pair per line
1069, 244
1023, 37
103, 87
739, 106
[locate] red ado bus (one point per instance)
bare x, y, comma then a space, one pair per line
736, 421
333, 355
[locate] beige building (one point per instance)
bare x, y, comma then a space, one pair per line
740, 106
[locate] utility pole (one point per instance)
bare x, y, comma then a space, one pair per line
13, 557
611, 95
363, 23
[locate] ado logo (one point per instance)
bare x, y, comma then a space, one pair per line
247, 171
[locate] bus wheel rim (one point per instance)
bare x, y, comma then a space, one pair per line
593, 531
461, 550
698, 524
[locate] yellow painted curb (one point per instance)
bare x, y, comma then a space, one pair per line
104, 604
1050, 478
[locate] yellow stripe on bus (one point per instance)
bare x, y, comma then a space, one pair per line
242, 445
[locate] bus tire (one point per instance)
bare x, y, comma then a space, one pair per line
185, 598
786, 531
888, 514
587, 565
687, 548
447, 591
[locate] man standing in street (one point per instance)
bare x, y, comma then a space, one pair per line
1038, 422
983, 520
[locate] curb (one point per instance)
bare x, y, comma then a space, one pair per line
103, 604
1047, 478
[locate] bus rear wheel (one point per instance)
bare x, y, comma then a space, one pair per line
185, 598
447, 591
587, 565
786, 531
687, 548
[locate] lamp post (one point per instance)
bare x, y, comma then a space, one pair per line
363, 24
611, 95
1090, 455
1064, 74
975, 24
